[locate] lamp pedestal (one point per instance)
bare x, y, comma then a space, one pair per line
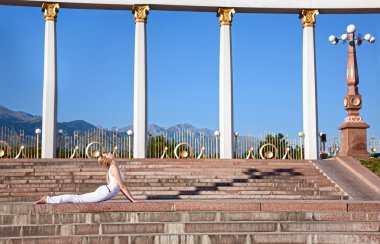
354, 139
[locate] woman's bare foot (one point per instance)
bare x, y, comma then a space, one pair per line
41, 201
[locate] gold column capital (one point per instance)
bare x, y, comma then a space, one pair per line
308, 17
225, 15
50, 11
141, 13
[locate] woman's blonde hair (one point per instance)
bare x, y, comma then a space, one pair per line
104, 161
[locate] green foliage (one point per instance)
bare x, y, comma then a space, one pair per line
156, 146
372, 164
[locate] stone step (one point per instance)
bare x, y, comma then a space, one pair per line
176, 180
196, 191
32, 197
135, 175
194, 206
210, 216
185, 227
236, 238
136, 187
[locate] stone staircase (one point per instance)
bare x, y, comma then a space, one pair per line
234, 221
183, 201
26, 180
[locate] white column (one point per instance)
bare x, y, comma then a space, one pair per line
225, 85
140, 84
49, 107
309, 86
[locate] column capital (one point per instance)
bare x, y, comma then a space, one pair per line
50, 10
308, 17
225, 15
141, 13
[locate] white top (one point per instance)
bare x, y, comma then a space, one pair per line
112, 184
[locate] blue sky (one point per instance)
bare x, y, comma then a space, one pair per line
95, 68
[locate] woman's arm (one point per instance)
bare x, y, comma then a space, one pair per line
116, 173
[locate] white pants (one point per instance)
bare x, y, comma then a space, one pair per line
102, 193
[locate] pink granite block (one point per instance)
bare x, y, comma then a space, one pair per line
364, 207
216, 206
303, 206
113, 207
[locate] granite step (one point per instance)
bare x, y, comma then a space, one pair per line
185, 228
196, 216
212, 238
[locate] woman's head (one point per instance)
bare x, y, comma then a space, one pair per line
105, 159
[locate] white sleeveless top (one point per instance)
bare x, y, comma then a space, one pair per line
113, 186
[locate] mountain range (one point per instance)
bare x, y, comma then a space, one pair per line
18, 120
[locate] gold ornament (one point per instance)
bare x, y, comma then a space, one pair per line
183, 153
308, 17
225, 15
95, 153
50, 10
141, 13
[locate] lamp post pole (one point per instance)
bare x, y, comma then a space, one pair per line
354, 137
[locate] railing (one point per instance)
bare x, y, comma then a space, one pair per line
181, 144
185, 144
85, 145
373, 144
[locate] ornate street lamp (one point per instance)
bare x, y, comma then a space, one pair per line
38, 132
354, 138
60, 132
301, 135
129, 133
216, 134
236, 134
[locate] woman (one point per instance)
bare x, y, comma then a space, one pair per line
102, 193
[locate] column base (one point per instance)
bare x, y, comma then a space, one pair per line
354, 139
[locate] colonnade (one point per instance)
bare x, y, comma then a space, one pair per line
310, 113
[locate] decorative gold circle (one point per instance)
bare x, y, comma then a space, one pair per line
373, 150
7, 150
22, 147
183, 144
94, 151
266, 152
183, 154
